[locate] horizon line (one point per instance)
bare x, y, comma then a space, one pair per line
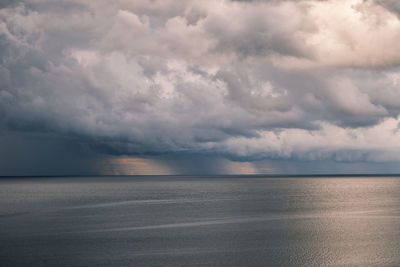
211, 175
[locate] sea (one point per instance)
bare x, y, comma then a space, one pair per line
200, 221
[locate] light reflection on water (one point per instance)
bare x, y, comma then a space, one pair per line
179, 221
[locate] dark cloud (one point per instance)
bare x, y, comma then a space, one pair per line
29, 153
7, 3
392, 5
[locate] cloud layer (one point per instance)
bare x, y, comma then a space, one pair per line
245, 80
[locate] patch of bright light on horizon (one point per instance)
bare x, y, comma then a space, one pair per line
132, 166
146, 166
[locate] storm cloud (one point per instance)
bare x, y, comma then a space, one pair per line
243, 80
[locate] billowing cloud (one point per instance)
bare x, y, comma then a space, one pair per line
246, 80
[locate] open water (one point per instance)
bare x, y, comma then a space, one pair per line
200, 221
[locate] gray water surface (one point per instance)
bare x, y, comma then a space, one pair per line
203, 221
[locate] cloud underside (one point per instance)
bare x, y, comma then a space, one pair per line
247, 80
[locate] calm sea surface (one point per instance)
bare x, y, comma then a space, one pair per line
203, 221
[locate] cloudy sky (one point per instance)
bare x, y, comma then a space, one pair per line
199, 87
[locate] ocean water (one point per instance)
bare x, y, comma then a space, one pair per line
200, 221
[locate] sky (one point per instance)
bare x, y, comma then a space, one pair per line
199, 87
